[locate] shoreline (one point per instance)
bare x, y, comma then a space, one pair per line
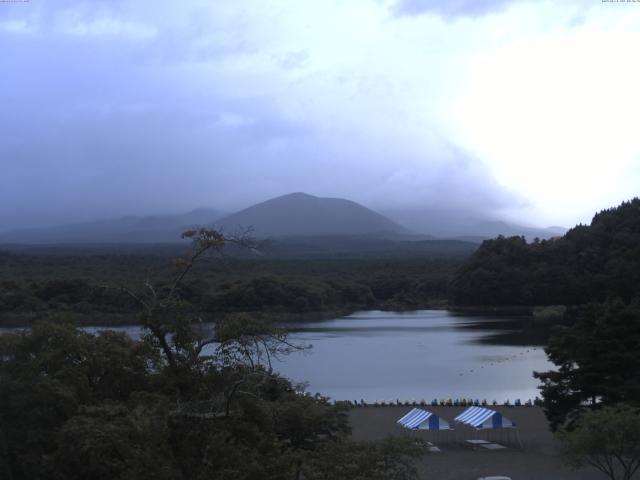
539, 315
102, 319
99, 319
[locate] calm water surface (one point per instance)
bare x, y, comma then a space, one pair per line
417, 355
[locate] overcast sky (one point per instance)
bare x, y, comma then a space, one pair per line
525, 110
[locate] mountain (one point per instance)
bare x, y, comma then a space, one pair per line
131, 229
493, 228
444, 222
300, 214
292, 215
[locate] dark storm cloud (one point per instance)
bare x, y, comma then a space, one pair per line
109, 111
450, 8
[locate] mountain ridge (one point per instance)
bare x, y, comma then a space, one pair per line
295, 214
301, 214
128, 229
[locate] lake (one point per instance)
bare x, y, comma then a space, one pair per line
417, 355
427, 354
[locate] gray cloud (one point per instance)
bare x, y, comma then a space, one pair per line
112, 110
450, 8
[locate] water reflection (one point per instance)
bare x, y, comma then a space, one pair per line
418, 355
413, 355
520, 331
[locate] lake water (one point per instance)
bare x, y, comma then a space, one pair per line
417, 355
384, 356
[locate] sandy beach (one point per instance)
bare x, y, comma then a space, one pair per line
531, 455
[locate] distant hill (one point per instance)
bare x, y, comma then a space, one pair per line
589, 263
466, 225
288, 216
132, 229
300, 214
493, 228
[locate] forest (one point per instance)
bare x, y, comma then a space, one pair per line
185, 402
90, 287
592, 396
75, 405
591, 263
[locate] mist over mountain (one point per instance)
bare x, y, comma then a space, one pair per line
300, 214
445, 222
293, 215
130, 229
493, 228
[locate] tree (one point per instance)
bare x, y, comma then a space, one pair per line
607, 439
48, 373
597, 359
112, 441
175, 335
390, 459
76, 405
590, 263
245, 340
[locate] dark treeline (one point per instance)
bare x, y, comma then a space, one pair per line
80, 406
589, 264
89, 287
595, 271
597, 358
184, 402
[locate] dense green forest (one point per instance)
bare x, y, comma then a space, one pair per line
74, 405
89, 287
590, 263
78, 406
595, 271
598, 361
